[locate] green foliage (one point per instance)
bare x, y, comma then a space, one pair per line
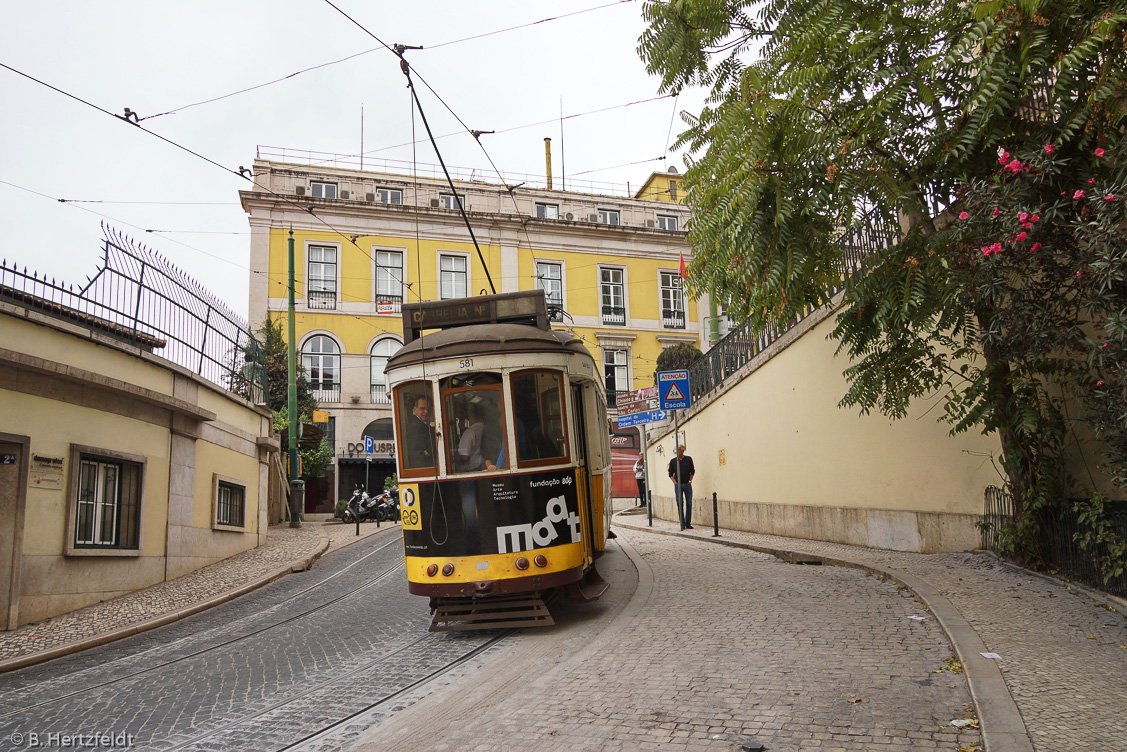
314, 462
390, 482
276, 354
1100, 536
895, 114
677, 357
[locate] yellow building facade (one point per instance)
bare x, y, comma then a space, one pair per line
365, 241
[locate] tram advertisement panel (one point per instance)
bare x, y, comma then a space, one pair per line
494, 515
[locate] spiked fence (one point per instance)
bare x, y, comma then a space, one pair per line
138, 295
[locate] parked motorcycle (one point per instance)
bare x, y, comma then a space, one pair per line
387, 508
361, 507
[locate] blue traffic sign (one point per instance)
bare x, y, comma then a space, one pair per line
673, 390
369, 444
625, 421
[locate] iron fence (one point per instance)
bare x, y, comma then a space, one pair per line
743, 343
138, 296
1057, 546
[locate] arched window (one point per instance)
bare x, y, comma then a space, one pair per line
381, 351
320, 357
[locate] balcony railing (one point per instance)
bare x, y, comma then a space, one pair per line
389, 303
614, 316
325, 391
323, 299
672, 319
380, 395
612, 397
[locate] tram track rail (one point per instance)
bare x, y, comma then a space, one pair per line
70, 678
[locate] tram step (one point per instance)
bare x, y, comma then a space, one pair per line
463, 614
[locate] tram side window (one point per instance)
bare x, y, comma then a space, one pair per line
538, 409
473, 414
416, 426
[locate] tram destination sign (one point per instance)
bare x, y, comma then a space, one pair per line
640, 401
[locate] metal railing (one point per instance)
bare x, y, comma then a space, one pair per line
1060, 551
672, 319
380, 395
140, 297
612, 397
322, 299
389, 303
742, 344
614, 316
325, 391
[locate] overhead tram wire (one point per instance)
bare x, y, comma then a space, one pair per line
129, 117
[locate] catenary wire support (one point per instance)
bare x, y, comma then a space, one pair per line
406, 68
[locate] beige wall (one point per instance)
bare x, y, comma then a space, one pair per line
798, 465
63, 387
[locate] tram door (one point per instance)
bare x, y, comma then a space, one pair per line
579, 425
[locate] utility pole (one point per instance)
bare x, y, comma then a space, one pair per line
297, 487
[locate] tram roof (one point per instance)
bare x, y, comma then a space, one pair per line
485, 339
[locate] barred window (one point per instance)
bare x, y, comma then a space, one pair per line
230, 504
108, 503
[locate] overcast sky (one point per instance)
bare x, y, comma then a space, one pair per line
155, 57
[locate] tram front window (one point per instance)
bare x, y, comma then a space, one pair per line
473, 414
538, 409
416, 427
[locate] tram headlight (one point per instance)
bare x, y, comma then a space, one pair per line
447, 569
432, 570
522, 563
540, 560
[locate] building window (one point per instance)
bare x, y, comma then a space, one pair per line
389, 281
230, 503
320, 357
549, 278
547, 211
672, 300
615, 374
322, 287
450, 201
667, 222
381, 351
323, 190
107, 503
608, 216
672, 190
453, 277
389, 195
329, 431
613, 296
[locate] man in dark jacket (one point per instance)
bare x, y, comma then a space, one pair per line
683, 489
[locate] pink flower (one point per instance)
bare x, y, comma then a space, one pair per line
1078, 277
1027, 225
1014, 167
1099, 152
1104, 344
1022, 216
995, 212
1020, 237
1004, 158
1035, 247
1091, 181
1049, 149
1109, 197
1100, 383
986, 250
1078, 195
996, 248
1035, 217
964, 215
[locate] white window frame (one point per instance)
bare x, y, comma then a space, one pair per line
381, 395
465, 257
79, 454
218, 484
670, 281
450, 201
386, 195
318, 390
322, 189
539, 282
624, 290
664, 220
605, 216
624, 366
378, 268
547, 211
309, 288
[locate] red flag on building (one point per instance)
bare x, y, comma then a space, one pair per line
684, 269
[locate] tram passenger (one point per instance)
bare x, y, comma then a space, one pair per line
420, 435
470, 458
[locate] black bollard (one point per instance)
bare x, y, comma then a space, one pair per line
715, 518
650, 506
358, 526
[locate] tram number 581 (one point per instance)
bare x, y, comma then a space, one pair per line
465, 363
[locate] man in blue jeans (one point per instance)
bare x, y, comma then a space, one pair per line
684, 489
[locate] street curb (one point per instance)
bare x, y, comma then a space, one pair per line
1000, 721
298, 565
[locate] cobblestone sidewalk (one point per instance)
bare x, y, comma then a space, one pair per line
285, 548
1063, 649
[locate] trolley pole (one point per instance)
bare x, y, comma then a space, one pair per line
297, 488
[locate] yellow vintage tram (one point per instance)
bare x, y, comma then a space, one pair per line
504, 460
